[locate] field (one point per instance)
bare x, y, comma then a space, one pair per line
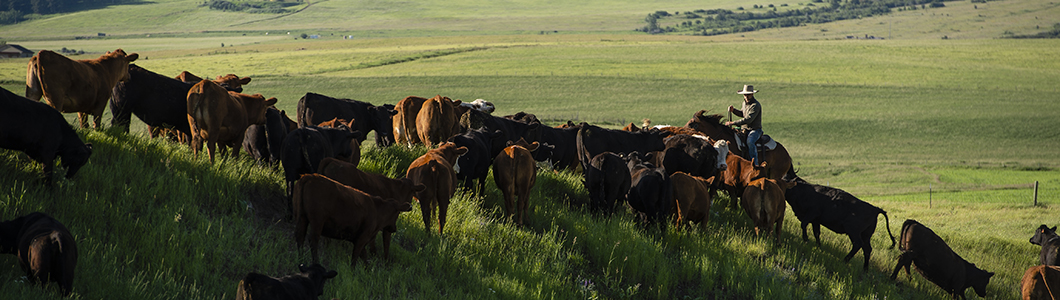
953, 133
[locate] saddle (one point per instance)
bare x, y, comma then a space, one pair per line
763, 144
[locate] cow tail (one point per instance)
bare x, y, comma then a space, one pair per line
304, 140
888, 223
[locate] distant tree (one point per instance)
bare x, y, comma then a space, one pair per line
304, 36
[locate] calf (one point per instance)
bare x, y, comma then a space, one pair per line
45, 248
692, 199
80, 86
1041, 283
937, 262
515, 172
650, 190
328, 208
315, 108
839, 211
763, 200
265, 141
308, 284
435, 171
400, 189
482, 146
221, 117
42, 133
607, 180
304, 148
1050, 242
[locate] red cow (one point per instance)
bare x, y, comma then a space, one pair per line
514, 171
81, 86
692, 199
230, 82
222, 117
328, 208
400, 189
437, 119
435, 171
1041, 283
405, 120
763, 200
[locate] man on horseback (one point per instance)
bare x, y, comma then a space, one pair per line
751, 112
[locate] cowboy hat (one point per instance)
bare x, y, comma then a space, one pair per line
747, 89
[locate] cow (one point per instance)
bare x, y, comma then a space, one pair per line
404, 121
513, 130
763, 200
435, 171
607, 180
46, 250
437, 120
1050, 242
81, 86
315, 108
400, 189
482, 146
737, 175
650, 190
42, 133
265, 141
220, 117
691, 199
515, 172
308, 284
564, 154
523, 117
836, 210
593, 140
480, 105
230, 82
325, 207
354, 156
937, 262
694, 154
305, 147
1041, 283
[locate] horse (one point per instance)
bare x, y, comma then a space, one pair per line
777, 161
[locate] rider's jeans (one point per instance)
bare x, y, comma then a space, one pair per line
752, 137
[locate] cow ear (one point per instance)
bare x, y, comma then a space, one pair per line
302, 268
271, 101
419, 188
331, 274
132, 57
1054, 227
244, 80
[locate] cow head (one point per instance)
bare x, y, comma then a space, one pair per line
232, 82
383, 124
119, 61
451, 152
317, 275
255, 106
74, 158
1043, 234
977, 279
722, 147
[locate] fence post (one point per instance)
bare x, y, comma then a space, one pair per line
1035, 193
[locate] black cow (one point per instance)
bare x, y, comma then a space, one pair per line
265, 142
523, 117
315, 108
482, 147
593, 140
694, 155
305, 147
513, 130
1050, 242
607, 180
650, 190
564, 155
937, 262
42, 133
308, 284
839, 211
45, 248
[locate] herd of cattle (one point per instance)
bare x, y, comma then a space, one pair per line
662, 173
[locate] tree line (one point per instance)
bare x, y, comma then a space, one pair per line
723, 21
14, 11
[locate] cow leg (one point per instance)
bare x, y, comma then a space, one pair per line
443, 210
426, 208
386, 244
780, 223
904, 260
805, 237
301, 225
481, 186
817, 233
524, 204
855, 245
211, 147
314, 241
867, 247
48, 160
82, 119
97, 120
358, 248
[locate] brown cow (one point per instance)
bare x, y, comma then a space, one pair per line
514, 171
81, 86
405, 120
230, 81
1041, 283
435, 171
937, 262
692, 199
763, 200
400, 189
46, 250
328, 208
222, 117
437, 119
307, 284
